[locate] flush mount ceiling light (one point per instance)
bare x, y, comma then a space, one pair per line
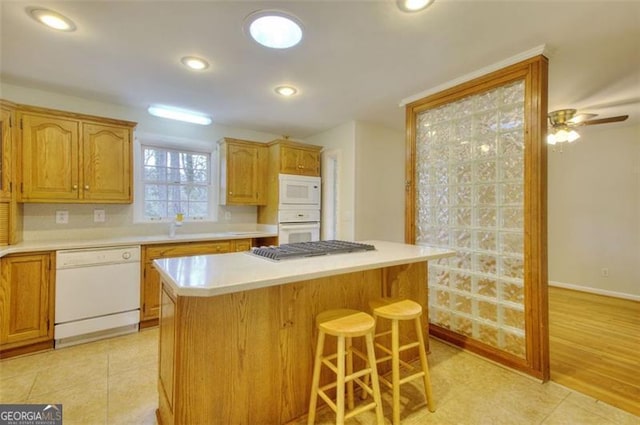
178, 114
274, 29
413, 5
51, 19
195, 63
286, 91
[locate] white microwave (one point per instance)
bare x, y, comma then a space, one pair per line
299, 192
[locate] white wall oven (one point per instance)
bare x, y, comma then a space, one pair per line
298, 226
299, 192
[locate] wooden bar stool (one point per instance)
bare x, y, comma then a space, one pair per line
397, 311
345, 325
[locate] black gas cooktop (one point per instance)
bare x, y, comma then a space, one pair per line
310, 249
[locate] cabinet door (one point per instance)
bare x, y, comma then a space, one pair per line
25, 299
308, 162
150, 293
246, 174
288, 160
106, 163
49, 158
7, 124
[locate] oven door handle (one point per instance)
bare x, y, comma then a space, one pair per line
299, 226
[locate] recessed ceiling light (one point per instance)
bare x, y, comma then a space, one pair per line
51, 19
194, 63
274, 29
179, 114
413, 5
286, 91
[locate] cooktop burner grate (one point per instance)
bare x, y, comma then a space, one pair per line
310, 249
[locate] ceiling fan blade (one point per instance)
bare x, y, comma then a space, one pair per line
602, 120
580, 118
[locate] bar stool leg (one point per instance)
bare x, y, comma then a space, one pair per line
395, 370
350, 400
425, 367
377, 398
311, 419
340, 387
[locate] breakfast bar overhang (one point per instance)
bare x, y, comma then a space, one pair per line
237, 334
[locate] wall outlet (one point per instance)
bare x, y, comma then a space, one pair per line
227, 215
604, 272
99, 216
62, 217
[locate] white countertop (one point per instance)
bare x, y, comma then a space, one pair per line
56, 245
210, 275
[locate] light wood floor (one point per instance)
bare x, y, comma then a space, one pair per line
595, 346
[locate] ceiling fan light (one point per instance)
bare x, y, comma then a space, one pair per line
573, 136
551, 139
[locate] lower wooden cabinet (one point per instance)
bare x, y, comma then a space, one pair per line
26, 303
150, 284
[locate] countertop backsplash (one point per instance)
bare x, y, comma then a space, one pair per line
40, 222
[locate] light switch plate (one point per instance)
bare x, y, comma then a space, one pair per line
99, 216
62, 217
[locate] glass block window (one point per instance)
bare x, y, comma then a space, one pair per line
470, 183
175, 182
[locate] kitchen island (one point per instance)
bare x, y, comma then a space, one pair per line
237, 332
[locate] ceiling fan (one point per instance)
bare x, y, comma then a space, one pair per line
563, 122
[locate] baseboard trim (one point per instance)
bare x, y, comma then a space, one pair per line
595, 291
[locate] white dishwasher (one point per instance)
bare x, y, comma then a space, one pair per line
97, 293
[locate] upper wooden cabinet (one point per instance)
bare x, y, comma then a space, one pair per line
10, 211
243, 172
7, 127
297, 158
75, 158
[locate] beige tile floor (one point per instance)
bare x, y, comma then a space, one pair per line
114, 382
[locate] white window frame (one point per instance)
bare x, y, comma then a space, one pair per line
175, 144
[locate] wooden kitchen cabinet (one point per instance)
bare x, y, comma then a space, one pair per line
10, 211
297, 158
150, 284
7, 127
243, 172
26, 303
74, 158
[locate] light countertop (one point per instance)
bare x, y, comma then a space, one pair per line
56, 245
210, 275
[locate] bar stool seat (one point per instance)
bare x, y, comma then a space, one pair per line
396, 311
345, 324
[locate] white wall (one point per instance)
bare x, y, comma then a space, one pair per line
370, 179
380, 175
340, 141
594, 211
39, 219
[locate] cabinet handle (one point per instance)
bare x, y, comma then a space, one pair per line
230, 193
86, 187
75, 187
300, 166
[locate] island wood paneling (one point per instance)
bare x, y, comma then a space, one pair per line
247, 357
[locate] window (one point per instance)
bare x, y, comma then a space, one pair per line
175, 181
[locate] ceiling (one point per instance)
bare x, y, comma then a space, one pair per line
357, 60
